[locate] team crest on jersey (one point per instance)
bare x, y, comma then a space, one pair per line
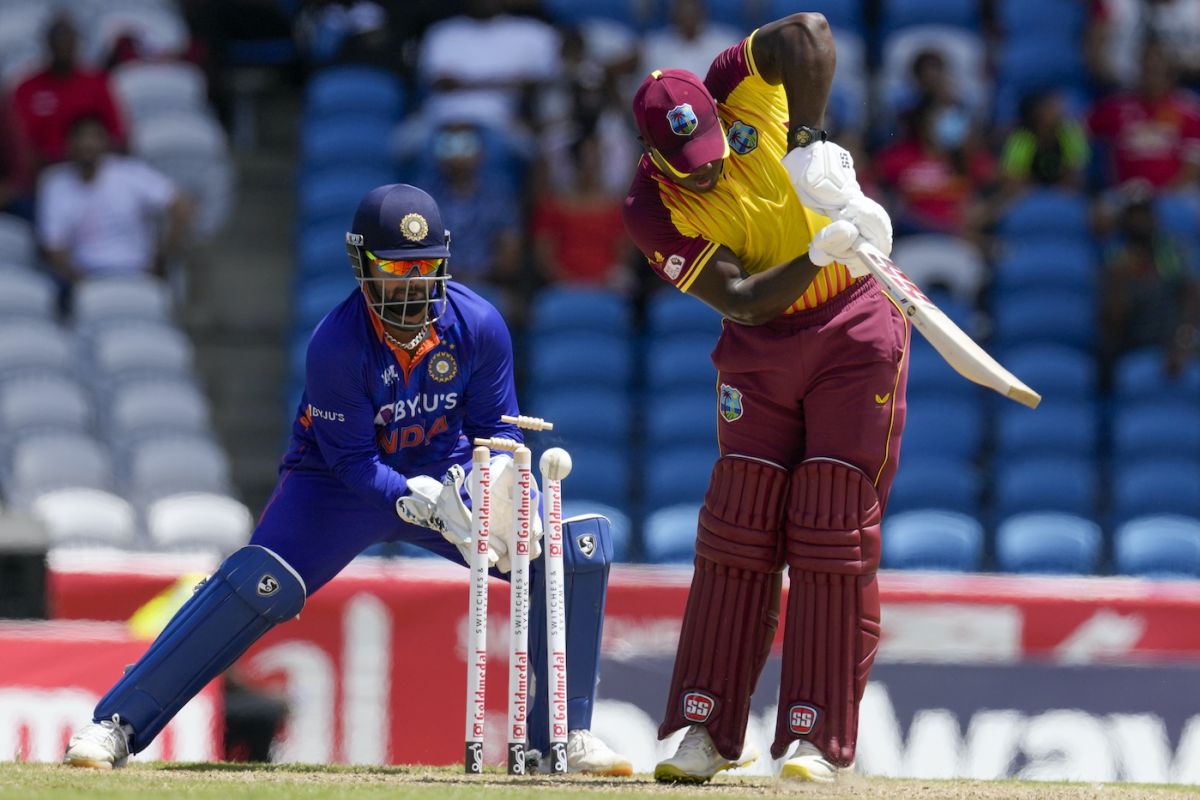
742, 137
731, 403
442, 367
414, 227
683, 119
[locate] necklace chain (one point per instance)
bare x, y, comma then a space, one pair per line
411, 343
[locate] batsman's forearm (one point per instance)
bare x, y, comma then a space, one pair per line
767, 294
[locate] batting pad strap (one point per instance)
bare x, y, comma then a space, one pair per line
251, 592
832, 631
742, 513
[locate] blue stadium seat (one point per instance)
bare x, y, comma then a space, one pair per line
1056, 372
1046, 212
601, 473
929, 374
681, 417
677, 475
334, 194
1157, 428
346, 143
579, 360
1161, 486
1054, 428
1179, 214
675, 363
586, 416
926, 482
1052, 543
944, 427
1158, 546
846, 14
635, 14
670, 312
1050, 317
315, 299
899, 14
1044, 483
1059, 19
670, 534
932, 539
321, 250
1045, 262
1141, 375
1033, 62
560, 309
620, 525
355, 90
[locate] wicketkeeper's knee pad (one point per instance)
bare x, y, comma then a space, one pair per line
733, 605
587, 553
251, 592
832, 631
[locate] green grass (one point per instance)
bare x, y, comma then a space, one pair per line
225, 781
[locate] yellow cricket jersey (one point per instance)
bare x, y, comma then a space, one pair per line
752, 210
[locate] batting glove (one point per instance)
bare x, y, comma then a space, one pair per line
872, 221
823, 176
835, 242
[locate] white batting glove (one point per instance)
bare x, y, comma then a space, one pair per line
872, 221
503, 536
438, 505
835, 242
823, 176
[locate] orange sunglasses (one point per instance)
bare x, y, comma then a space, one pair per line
423, 266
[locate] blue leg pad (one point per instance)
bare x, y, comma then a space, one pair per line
251, 592
587, 553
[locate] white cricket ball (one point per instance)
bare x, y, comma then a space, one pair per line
555, 464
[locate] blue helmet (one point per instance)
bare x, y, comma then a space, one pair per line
400, 223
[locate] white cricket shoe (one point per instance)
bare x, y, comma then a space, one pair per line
809, 764
697, 760
586, 753
100, 745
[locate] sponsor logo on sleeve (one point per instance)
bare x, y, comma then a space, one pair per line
731, 403
332, 416
674, 266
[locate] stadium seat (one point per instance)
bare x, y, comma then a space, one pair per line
332, 195
1158, 546
579, 360
1045, 317
947, 427
1157, 428
1142, 376
359, 142
353, 89
932, 539
1051, 543
149, 89
139, 410
43, 404
316, 298
674, 475
321, 249
1160, 486
86, 517
1044, 483
1058, 373
670, 312
59, 460
933, 482
97, 301
1033, 62
598, 415
31, 347
1045, 262
1046, 212
141, 350
681, 417
25, 293
933, 260
1062, 20
620, 525
180, 134
1178, 214
17, 245
1055, 428
670, 534
680, 364
930, 375
601, 474
898, 14
160, 25
199, 521
565, 310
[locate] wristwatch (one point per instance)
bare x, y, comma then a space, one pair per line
803, 136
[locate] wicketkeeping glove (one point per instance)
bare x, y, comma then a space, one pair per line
438, 505
503, 536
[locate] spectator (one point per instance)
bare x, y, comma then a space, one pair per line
478, 205
1048, 148
578, 234
47, 102
345, 31
103, 214
1117, 29
936, 173
1151, 285
16, 166
1153, 132
691, 43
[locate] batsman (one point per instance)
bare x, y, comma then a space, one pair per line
400, 377
742, 201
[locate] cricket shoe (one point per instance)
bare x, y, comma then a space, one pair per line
100, 745
586, 753
809, 764
697, 760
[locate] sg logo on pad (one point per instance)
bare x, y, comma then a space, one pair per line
698, 706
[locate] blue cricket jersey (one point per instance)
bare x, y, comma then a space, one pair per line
374, 415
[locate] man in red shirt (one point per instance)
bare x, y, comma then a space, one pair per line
48, 102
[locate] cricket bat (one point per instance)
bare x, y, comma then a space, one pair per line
960, 350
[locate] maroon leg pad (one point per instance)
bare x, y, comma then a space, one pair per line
733, 605
832, 628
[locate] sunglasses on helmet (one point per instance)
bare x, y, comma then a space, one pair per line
405, 267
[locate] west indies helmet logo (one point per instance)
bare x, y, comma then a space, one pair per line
683, 119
